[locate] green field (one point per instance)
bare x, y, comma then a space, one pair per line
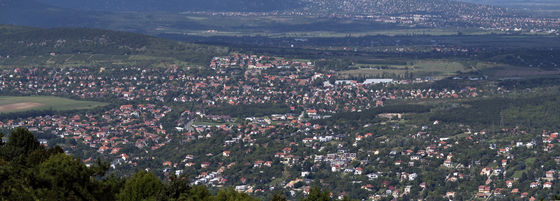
56, 103
436, 69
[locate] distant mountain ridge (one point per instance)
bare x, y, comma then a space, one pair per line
177, 5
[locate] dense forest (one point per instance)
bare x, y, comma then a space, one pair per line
530, 112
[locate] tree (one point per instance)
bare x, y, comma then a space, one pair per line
278, 197
20, 144
175, 188
520, 166
197, 193
231, 194
142, 185
315, 194
64, 177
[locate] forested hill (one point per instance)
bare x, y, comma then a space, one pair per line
21, 41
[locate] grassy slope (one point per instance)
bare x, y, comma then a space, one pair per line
438, 69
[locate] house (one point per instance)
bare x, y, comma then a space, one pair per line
534, 185
358, 171
311, 112
226, 153
450, 195
415, 157
341, 195
448, 163
509, 183
412, 176
307, 140
484, 189
241, 188
335, 168
481, 195
498, 191
498, 171
373, 176
532, 199
547, 185
550, 174
486, 171
204, 164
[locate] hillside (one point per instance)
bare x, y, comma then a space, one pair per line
22, 41
177, 5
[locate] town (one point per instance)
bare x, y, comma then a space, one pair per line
286, 143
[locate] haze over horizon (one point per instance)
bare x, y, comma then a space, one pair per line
228, 5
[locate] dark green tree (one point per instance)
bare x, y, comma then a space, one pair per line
316, 194
20, 145
142, 185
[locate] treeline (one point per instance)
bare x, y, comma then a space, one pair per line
382, 62
530, 83
37, 42
255, 110
29, 171
545, 59
370, 115
476, 112
535, 111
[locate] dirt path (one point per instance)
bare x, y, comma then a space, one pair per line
69, 58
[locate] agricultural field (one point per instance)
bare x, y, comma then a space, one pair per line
23, 103
435, 69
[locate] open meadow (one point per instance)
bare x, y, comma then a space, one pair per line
23, 103
435, 69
